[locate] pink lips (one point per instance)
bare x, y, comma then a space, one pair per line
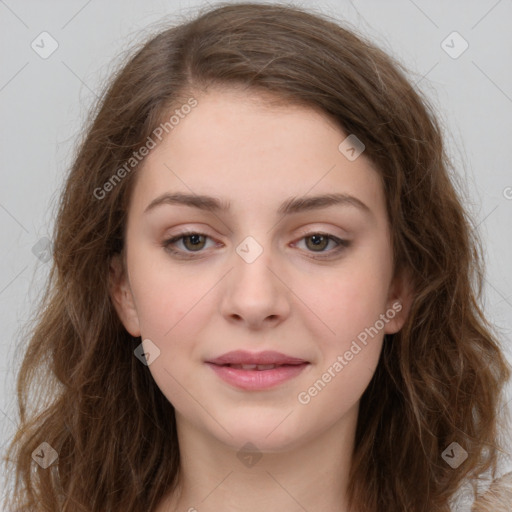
256, 371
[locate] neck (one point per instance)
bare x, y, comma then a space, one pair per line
310, 475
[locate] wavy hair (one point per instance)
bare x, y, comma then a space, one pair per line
439, 380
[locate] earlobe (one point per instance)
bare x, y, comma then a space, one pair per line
122, 296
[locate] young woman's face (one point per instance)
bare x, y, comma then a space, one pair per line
276, 271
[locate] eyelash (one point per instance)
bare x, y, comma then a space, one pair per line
342, 244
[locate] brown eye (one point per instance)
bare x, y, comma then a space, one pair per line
186, 244
318, 242
197, 241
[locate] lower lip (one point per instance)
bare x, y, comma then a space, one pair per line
257, 379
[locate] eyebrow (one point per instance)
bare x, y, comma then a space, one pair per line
290, 206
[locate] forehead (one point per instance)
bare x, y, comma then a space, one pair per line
239, 147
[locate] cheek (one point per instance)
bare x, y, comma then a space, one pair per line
338, 386
345, 303
167, 295
352, 305
172, 309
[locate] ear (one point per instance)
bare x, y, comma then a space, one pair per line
122, 296
400, 298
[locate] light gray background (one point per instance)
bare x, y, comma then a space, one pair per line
44, 103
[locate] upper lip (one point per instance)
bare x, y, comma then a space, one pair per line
266, 357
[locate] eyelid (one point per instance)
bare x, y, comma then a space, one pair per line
317, 229
341, 243
166, 244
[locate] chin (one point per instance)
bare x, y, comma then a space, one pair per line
270, 434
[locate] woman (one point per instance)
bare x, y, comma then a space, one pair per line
265, 288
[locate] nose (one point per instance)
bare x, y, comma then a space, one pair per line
255, 294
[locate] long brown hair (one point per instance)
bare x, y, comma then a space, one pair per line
439, 380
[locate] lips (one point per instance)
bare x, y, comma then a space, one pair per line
267, 360
256, 371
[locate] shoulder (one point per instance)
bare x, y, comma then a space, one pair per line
492, 494
497, 498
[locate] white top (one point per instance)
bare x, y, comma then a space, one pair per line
463, 501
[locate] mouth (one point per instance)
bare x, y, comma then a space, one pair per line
256, 360
256, 372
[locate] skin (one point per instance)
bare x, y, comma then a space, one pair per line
235, 147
